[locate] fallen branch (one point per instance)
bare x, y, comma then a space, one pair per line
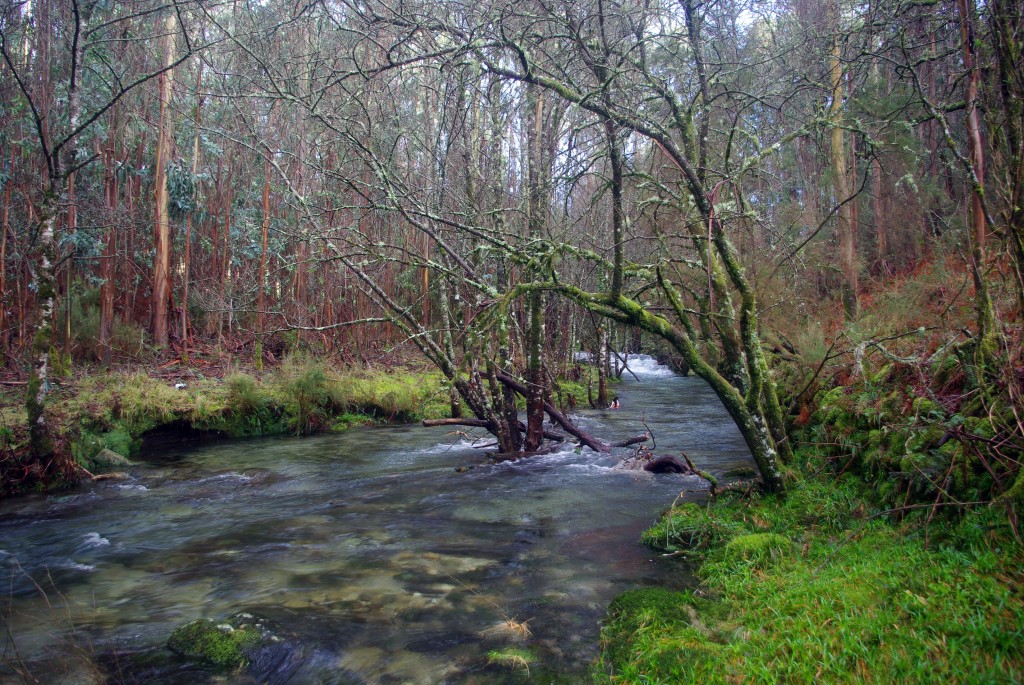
703, 474
558, 417
635, 440
481, 423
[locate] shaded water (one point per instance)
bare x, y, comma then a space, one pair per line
368, 543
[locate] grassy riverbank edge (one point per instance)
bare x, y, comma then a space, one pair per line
824, 586
99, 412
114, 410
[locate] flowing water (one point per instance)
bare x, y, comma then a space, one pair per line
368, 543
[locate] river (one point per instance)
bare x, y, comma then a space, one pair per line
370, 542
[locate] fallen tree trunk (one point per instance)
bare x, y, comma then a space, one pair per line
558, 417
552, 411
481, 423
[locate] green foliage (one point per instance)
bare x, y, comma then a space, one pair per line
310, 398
906, 443
127, 339
691, 527
395, 396
250, 408
855, 600
810, 504
89, 444
755, 550
653, 635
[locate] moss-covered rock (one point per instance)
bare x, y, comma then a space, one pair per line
279, 651
228, 645
109, 459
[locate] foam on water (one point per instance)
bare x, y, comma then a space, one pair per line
457, 445
75, 566
95, 540
644, 365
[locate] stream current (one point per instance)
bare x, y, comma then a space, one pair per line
369, 542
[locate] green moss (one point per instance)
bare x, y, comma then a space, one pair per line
690, 527
857, 600
758, 550
219, 644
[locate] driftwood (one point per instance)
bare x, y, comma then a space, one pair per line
635, 440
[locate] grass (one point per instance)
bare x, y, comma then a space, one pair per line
512, 657
301, 396
796, 592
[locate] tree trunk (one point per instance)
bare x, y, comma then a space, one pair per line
261, 317
71, 227
881, 237
536, 211
1007, 27
982, 301
188, 221
41, 442
847, 240
162, 259
4, 229
107, 270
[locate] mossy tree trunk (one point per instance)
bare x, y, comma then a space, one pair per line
41, 443
536, 216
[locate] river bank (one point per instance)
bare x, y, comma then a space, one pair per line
99, 415
823, 586
895, 555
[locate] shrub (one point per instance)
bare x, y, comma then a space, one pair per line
310, 398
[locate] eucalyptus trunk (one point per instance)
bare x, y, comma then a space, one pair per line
162, 259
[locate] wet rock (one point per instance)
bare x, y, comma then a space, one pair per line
259, 647
109, 460
667, 465
644, 460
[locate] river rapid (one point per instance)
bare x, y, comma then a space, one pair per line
369, 543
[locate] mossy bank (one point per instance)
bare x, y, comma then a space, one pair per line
823, 586
114, 411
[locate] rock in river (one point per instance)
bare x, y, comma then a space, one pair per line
259, 647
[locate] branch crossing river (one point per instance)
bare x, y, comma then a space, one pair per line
369, 544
